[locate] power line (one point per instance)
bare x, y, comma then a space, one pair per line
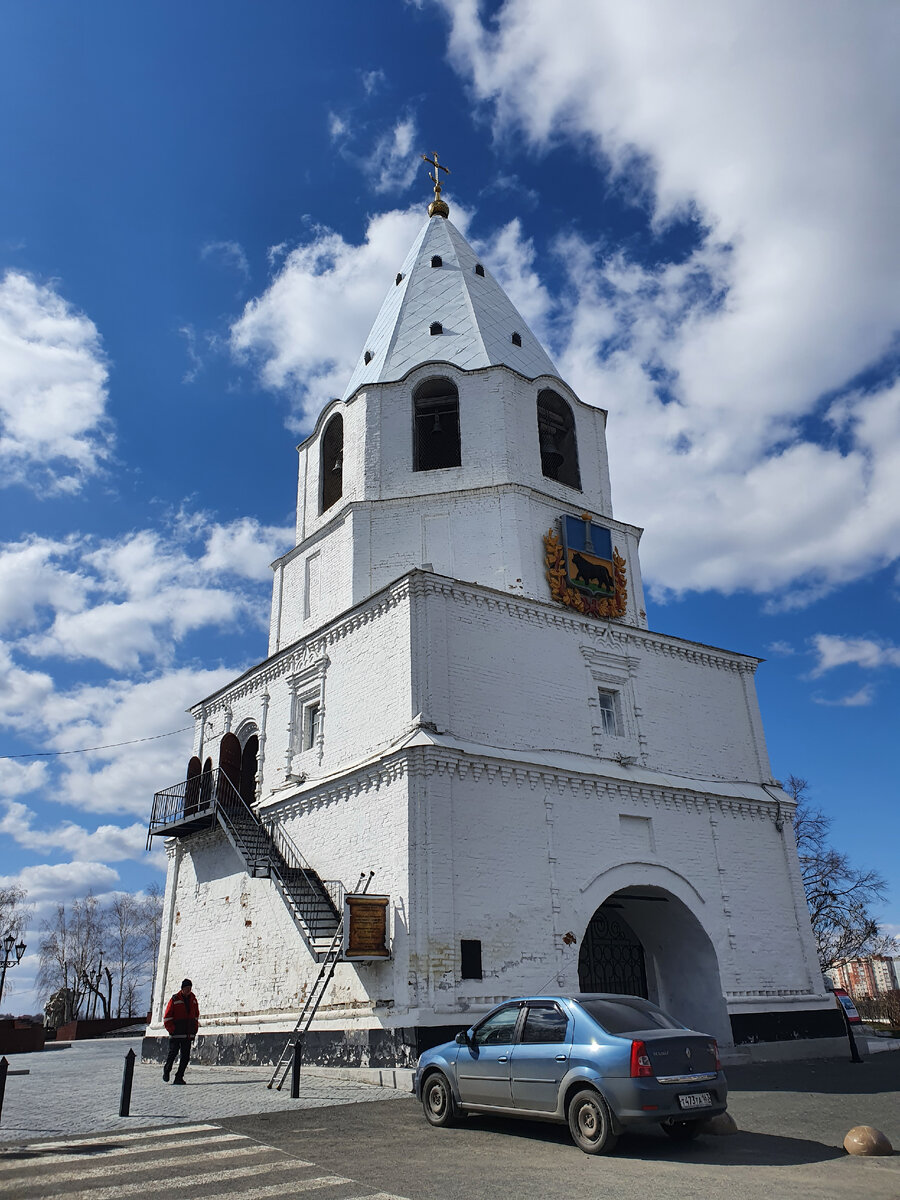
87, 749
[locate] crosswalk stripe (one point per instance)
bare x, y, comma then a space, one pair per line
278, 1189
102, 1171
116, 1152
159, 1131
167, 1185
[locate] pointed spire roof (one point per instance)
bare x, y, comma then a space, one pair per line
477, 317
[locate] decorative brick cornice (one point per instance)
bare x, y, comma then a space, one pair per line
623, 639
426, 761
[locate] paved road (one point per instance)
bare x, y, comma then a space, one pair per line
792, 1120
76, 1091
200, 1160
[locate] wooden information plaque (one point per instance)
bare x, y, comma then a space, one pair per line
365, 927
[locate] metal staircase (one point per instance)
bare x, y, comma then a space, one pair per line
316, 993
315, 905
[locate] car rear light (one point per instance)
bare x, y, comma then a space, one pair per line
714, 1051
640, 1062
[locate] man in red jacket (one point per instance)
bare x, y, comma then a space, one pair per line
182, 1020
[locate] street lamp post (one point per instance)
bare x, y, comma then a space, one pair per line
8, 959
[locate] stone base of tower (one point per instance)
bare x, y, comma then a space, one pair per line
758, 1037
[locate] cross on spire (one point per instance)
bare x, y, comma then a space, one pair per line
438, 207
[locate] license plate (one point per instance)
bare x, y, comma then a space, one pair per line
696, 1100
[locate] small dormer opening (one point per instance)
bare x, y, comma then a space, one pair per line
479, 270
436, 260
367, 357
436, 327
436, 425
399, 278
516, 339
331, 462
556, 434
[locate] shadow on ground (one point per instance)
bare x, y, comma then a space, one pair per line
877, 1073
740, 1149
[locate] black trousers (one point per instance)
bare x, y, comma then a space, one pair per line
178, 1045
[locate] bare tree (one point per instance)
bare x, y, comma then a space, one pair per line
70, 951
14, 912
152, 910
840, 896
101, 956
126, 942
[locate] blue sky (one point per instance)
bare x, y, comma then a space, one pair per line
201, 207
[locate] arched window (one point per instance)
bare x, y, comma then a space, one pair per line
516, 339
399, 278
367, 357
331, 462
206, 784
556, 431
435, 328
229, 780
249, 765
436, 425
436, 260
479, 270
192, 786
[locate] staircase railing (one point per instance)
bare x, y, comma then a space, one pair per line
294, 1043
267, 849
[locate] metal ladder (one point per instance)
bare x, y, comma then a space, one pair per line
314, 999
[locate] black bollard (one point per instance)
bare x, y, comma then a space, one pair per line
127, 1078
854, 1052
4, 1067
295, 1068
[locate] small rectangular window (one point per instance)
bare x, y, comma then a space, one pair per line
609, 717
470, 954
311, 723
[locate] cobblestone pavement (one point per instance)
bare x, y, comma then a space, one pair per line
202, 1160
76, 1091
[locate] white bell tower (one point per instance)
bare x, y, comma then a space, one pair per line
462, 695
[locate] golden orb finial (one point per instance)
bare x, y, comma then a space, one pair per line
438, 207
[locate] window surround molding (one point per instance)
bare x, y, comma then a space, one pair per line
307, 692
614, 674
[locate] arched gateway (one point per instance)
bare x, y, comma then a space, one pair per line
646, 942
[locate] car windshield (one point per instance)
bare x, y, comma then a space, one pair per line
628, 1014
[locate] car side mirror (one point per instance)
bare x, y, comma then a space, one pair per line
462, 1038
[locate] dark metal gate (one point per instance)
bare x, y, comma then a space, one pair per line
611, 957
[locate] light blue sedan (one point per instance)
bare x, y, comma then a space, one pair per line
599, 1062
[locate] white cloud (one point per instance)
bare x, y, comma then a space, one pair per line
373, 81
338, 128
861, 698
131, 600
106, 843
777, 133
836, 651
306, 330
50, 884
246, 548
228, 254
18, 777
393, 164
783, 649
54, 430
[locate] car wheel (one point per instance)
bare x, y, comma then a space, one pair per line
437, 1100
590, 1123
682, 1131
